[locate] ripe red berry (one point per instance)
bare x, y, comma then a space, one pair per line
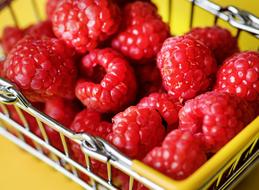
53, 137
83, 24
30, 122
121, 3
62, 110
216, 117
178, 157
116, 89
51, 6
41, 68
148, 78
136, 131
239, 75
218, 39
13, 114
2, 67
41, 29
11, 35
167, 107
143, 32
187, 67
92, 123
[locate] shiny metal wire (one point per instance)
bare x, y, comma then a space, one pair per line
92, 147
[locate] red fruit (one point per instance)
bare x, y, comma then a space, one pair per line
92, 123
178, 157
42, 69
123, 182
148, 79
143, 32
53, 136
2, 67
51, 7
239, 75
62, 110
30, 122
216, 117
83, 24
187, 67
218, 39
117, 88
165, 105
121, 3
11, 35
41, 29
136, 131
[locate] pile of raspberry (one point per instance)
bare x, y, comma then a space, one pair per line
113, 70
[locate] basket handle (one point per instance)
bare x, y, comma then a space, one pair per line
9, 93
238, 18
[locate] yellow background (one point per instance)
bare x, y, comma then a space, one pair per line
19, 170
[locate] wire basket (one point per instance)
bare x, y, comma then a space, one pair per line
222, 171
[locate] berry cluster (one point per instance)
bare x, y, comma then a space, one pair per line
143, 32
111, 69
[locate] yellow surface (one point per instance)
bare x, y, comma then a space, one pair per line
19, 170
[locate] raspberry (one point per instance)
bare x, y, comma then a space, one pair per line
53, 136
117, 88
121, 3
123, 182
218, 39
31, 121
2, 67
165, 105
62, 110
143, 32
136, 131
178, 157
51, 7
83, 24
239, 75
187, 67
216, 117
41, 68
41, 29
11, 35
92, 123
148, 78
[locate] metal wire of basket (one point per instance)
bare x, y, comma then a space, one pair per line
239, 162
